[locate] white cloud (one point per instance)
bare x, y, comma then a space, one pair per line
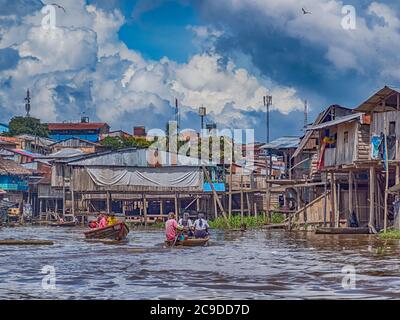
83, 66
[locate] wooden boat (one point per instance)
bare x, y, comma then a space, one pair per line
118, 232
342, 231
191, 242
63, 224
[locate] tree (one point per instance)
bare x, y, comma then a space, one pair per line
125, 142
28, 125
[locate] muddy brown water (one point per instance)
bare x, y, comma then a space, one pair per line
270, 264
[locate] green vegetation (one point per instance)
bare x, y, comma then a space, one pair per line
277, 218
125, 142
236, 222
27, 125
390, 235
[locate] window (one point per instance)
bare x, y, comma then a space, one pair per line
392, 128
346, 137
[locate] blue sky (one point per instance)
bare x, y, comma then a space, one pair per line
124, 62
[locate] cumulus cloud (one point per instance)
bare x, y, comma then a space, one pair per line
312, 53
82, 66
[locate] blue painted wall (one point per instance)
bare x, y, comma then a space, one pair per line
13, 183
3, 128
217, 186
89, 137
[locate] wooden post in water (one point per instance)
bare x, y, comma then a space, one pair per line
350, 213
371, 223
331, 216
241, 200
387, 174
71, 187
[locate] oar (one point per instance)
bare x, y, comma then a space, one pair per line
176, 238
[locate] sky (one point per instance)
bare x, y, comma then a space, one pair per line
124, 62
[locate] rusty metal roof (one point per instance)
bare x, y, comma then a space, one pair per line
388, 95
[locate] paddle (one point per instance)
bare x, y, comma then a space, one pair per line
176, 238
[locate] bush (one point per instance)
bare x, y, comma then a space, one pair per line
235, 222
277, 218
390, 235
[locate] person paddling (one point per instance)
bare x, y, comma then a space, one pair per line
170, 227
201, 227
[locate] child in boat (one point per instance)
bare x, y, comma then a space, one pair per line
201, 227
170, 227
103, 221
111, 220
187, 224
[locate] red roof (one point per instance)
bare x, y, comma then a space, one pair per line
77, 126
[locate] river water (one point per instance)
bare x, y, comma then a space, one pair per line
271, 264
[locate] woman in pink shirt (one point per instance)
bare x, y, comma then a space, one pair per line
103, 221
170, 227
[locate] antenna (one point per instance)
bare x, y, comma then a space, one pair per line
28, 103
305, 114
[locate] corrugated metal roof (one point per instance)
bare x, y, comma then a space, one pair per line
64, 153
9, 167
26, 153
283, 143
137, 158
76, 126
321, 117
39, 140
350, 117
374, 103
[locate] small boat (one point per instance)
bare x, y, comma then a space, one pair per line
328, 230
118, 232
63, 224
191, 242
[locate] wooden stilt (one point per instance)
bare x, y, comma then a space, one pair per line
350, 212
215, 207
145, 209
387, 175
333, 191
372, 177
248, 204
207, 176
241, 200
230, 191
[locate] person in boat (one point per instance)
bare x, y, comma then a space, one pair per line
103, 221
201, 227
111, 220
93, 224
187, 224
171, 227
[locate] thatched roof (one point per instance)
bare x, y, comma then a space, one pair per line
9, 167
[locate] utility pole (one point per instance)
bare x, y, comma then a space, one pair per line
28, 103
202, 114
267, 104
305, 114
177, 119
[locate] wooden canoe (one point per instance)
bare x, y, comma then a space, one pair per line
342, 231
192, 242
118, 232
63, 224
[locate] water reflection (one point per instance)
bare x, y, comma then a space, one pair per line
269, 264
